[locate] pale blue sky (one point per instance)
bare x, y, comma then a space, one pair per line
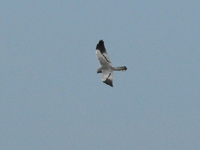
52, 99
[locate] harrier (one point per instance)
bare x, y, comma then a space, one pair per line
106, 67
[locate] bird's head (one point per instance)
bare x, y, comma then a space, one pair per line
99, 71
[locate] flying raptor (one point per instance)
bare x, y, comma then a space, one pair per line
106, 67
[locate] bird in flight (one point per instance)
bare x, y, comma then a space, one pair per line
106, 68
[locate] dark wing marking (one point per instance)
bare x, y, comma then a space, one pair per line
107, 78
106, 58
109, 75
102, 54
101, 47
109, 82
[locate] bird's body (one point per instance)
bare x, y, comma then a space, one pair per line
106, 66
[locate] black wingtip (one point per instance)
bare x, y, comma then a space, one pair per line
101, 41
108, 82
100, 46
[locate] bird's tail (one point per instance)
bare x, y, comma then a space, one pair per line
122, 68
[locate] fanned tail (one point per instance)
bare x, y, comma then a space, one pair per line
122, 68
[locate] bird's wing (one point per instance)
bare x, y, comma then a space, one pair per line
102, 55
107, 77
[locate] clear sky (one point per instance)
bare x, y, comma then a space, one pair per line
51, 97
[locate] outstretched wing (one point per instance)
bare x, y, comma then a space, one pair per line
102, 55
107, 77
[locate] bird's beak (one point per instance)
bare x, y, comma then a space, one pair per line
99, 72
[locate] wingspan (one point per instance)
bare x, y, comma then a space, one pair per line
107, 77
102, 55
